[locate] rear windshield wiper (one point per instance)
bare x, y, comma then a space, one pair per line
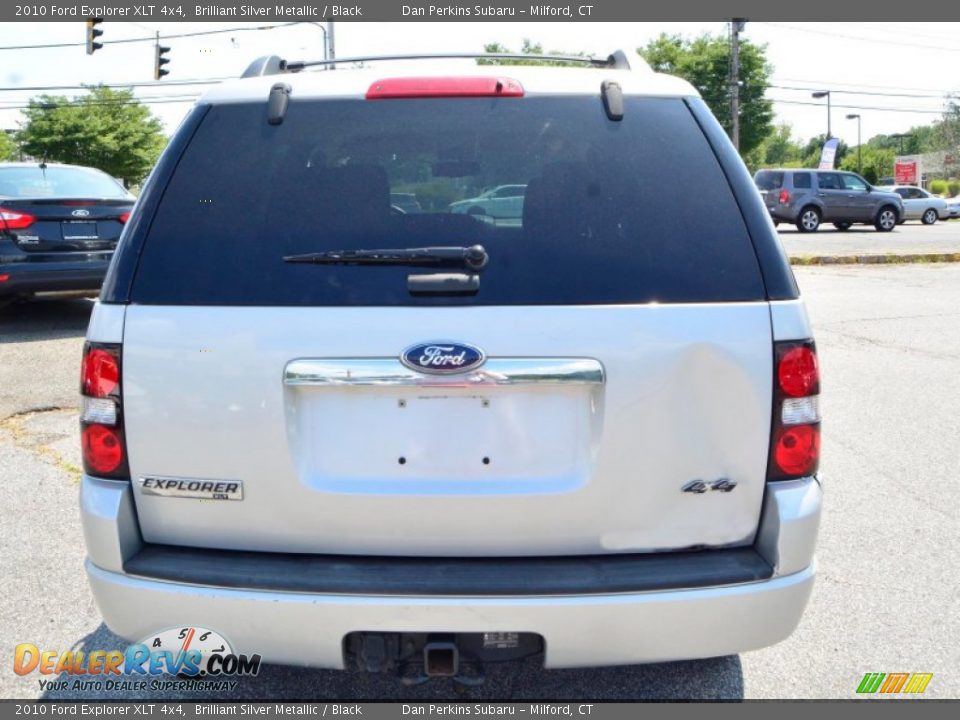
474, 257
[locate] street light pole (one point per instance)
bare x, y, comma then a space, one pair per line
859, 144
825, 94
330, 45
326, 49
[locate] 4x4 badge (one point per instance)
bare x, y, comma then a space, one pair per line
699, 487
442, 357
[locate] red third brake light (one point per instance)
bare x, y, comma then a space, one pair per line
14, 219
795, 427
438, 87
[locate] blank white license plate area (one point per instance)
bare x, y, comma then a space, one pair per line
445, 440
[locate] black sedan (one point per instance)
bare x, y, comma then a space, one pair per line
59, 225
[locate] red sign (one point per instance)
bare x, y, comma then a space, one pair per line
907, 172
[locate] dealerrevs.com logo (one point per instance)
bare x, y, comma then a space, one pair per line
200, 658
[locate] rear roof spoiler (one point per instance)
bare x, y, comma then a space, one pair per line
275, 65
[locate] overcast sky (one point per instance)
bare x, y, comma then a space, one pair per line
901, 69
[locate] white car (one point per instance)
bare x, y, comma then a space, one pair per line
918, 204
505, 201
349, 437
953, 207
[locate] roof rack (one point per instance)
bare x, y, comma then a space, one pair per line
274, 65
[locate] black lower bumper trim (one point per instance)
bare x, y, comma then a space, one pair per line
365, 575
27, 278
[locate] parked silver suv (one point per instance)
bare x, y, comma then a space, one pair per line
352, 437
808, 198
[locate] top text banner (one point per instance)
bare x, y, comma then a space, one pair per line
493, 10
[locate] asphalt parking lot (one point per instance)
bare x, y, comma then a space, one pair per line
889, 553
910, 238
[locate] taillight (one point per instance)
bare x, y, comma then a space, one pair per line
124, 217
784, 197
437, 87
15, 220
101, 418
795, 430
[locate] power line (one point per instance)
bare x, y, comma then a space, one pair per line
832, 84
858, 107
150, 39
860, 38
155, 101
859, 92
152, 84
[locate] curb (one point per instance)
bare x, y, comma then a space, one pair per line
891, 259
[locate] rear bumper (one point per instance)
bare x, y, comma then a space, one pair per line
579, 629
32, 277
783, 213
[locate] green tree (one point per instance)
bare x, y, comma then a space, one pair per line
705, 63
946, 133
778, 149
918, 139
529, 48
8, 148
877, 162
106, 128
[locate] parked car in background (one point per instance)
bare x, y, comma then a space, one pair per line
808, 198
919, 204
405, 202
589, 436
59, 225
503, 201
953, 207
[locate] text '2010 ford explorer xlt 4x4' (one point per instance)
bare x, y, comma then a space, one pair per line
351, 434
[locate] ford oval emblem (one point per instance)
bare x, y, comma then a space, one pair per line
442, 357
81, 213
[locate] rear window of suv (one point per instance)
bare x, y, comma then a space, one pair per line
769, 180
55, 181
571, 207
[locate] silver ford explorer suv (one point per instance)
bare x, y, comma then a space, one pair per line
349, 436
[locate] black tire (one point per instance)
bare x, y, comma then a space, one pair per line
776, 223
808, 220
930, 216
843, 226
886, 219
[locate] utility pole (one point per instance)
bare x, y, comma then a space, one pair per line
736, 27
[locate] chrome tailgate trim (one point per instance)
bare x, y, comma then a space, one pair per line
382, 372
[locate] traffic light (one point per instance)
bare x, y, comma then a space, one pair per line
160, 61
92, 34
